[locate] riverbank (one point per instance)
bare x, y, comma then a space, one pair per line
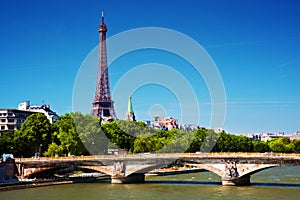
31, 184
87, 178
50, 182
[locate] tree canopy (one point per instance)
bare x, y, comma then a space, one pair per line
78, 134
33, 136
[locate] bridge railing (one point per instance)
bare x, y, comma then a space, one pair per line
169, 155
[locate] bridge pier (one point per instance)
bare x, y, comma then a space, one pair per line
238, 181
232, 175
132, 178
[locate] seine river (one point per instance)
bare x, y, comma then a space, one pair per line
276, 183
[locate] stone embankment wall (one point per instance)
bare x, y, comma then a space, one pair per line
8, 171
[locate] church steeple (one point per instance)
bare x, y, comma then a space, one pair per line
130, 105
130, 114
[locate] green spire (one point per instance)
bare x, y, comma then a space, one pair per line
130, 105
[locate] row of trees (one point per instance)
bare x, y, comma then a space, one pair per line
79, 134
136, 137
59, 138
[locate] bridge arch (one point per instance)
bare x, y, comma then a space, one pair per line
229, 166
254, 171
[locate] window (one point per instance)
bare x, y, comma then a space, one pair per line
11, 127
11, 120
3, 120
2, 128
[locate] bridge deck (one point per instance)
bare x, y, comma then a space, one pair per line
169, 156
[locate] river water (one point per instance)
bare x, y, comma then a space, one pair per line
275, 183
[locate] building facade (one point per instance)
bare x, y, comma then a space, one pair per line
45, 109
11, 119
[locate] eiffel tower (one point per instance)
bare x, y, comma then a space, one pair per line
103, 105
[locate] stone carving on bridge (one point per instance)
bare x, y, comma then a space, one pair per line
119, 169
231, 168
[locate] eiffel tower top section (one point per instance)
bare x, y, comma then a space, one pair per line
102, 27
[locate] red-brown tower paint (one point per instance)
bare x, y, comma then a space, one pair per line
103, 105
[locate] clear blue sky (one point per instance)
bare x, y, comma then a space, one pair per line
254, 43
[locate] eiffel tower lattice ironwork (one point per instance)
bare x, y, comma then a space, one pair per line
103, 105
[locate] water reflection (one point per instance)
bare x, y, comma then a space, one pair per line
184, 186
276, 184
184, 182
219, 183
287, 176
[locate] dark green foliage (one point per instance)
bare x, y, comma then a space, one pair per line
122, 133
137, 137
260, 146
90, 134
199, 138
283, 145
7, 143
65, 139
78, 134
34, 135
233, 143
296, 144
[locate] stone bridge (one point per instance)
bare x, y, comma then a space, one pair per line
233, 168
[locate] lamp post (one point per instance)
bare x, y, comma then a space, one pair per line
41, 149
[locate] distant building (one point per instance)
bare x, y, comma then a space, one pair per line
294, 136
45, 109
217, 130
170, 123
254, 136
11, 119
268, 136
165, 123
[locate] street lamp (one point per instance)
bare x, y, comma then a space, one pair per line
41, 149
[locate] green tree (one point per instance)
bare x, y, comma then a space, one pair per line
225, 143
260, 146
296, 146
77, 134
90, 133
282, 145
179, 142
54, 150
34, 135
66, 137
200, 135
138, 137
122, 133
244, 144
7, 142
